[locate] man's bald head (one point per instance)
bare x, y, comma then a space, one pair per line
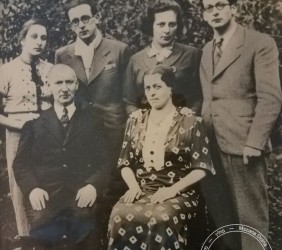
63, 84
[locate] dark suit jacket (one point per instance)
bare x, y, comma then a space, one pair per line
242, 97
49, 160
103, 90
187, 92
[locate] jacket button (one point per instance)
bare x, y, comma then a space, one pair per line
89, 165
64, 149
65, 165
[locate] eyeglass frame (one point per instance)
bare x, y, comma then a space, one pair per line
77, 20
218, 6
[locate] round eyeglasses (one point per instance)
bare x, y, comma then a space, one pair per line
85, 19
218, 6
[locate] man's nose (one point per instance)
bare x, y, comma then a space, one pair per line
64, 86
81, 24
215, 11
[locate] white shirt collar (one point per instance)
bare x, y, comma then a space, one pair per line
87, 51
59, 110
226, 37
81, 46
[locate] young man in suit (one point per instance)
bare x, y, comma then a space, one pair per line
242, 100
61, 165
99, 64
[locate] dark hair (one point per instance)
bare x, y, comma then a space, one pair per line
167, 74
26, 26
74, 3
158, 7
231, 2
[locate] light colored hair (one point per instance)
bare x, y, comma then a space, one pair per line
60, 67
26, 26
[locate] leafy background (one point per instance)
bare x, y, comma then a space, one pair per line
120, 19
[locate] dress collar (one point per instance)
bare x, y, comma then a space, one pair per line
160, 54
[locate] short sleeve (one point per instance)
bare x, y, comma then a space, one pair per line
127, 157
199, 147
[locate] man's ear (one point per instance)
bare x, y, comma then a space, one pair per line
72, 28
98, 17
77, 84
234, 9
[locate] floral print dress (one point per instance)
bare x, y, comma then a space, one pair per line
167, 225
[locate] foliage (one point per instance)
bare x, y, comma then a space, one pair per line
120, 19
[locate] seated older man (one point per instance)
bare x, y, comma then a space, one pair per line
61, 165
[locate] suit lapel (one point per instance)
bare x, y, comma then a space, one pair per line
149, 62
52, 124
175, 55
76, 126
77, 64
99, 60
207, 60
231, 51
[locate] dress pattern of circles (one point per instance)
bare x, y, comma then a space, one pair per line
143, 225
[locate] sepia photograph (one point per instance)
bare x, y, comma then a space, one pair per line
140, 125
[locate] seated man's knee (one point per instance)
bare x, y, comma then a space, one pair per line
79, 230
48, 234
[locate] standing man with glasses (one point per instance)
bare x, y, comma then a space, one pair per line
99, 64
242, 100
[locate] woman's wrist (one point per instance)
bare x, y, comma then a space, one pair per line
176, 189
134, 186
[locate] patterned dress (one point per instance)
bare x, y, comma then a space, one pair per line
21, 103
167, 225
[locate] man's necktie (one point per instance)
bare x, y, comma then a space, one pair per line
65, 118
217, 51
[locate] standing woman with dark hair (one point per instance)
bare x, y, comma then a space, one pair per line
23, 85
164, 23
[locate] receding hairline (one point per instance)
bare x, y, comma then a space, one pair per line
59, 68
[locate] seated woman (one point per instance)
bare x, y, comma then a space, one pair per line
164, 156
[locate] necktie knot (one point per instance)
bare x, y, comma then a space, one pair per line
65, 118
218, 43
217, 51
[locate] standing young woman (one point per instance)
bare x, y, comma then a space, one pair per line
164, 23
24, 88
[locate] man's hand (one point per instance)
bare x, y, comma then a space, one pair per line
163, 194
37, 198
250, 152
86, 196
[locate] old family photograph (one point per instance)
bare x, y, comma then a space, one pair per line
151, 124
